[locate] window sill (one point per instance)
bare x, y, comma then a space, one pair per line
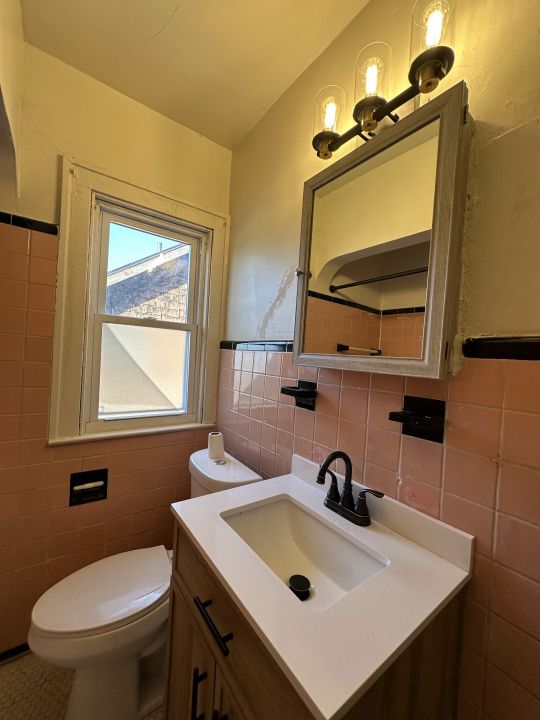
52, 442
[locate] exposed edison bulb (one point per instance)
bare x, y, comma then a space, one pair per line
434, 22
329, 103
373, 65
432, 32
372, 72
434, 26
329, 110
371, 79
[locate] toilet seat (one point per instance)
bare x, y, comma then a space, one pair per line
105, 595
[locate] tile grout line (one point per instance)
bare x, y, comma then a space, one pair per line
366, 440
494, 538
512, 624
512, 679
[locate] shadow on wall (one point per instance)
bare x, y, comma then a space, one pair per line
8, 163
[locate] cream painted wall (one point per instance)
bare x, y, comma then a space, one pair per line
497, 50
375, 205
11, 49
68, 112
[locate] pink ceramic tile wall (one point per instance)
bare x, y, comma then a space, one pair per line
402, 335
485, 479
41, 538
330, 323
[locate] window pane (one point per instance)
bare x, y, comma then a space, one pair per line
144, 371
147, 275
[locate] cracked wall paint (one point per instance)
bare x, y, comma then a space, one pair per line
281, 294
167, 22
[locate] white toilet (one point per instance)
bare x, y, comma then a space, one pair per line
108, 621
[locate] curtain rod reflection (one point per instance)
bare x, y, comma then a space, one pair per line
367, 281
340, 347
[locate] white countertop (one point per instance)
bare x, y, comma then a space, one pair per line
333, 655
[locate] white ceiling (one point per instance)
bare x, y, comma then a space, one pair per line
215, 66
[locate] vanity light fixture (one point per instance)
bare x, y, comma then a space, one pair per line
372, 79
431, 31
431, 34
328, 107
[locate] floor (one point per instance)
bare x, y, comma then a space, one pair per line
31, 689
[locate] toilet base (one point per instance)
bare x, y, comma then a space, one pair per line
129, 689
152, 670
107, 692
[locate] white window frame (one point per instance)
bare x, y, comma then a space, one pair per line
106, 211
90, 201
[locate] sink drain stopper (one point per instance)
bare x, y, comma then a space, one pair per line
300, 586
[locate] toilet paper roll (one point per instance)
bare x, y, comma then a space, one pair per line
216, 451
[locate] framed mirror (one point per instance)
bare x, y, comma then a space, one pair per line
379, 253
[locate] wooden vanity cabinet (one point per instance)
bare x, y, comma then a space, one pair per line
225, 702
220, 670
192, 665
196, 689
243, 681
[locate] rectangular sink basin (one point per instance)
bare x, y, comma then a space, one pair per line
293, 541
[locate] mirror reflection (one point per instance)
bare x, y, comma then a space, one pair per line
370, 252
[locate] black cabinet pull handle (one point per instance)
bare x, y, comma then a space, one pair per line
221, 640
217, 716
197, 679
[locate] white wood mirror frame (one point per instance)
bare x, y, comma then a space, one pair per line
450, 109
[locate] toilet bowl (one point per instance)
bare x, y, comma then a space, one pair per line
108, 621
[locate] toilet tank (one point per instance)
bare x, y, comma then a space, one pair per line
209, 476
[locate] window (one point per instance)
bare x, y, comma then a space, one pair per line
150, 294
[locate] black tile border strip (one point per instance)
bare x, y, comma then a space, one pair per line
28, 223
14, 652
404, 311
503, 348
342, 301
366, 308
257, 345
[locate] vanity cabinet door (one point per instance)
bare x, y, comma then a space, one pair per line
192, 666
225, 704
259, 685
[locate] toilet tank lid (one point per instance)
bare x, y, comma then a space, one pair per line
220, 477
105, 593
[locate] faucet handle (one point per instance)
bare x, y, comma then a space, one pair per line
361, 507
377, 493
333, 492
